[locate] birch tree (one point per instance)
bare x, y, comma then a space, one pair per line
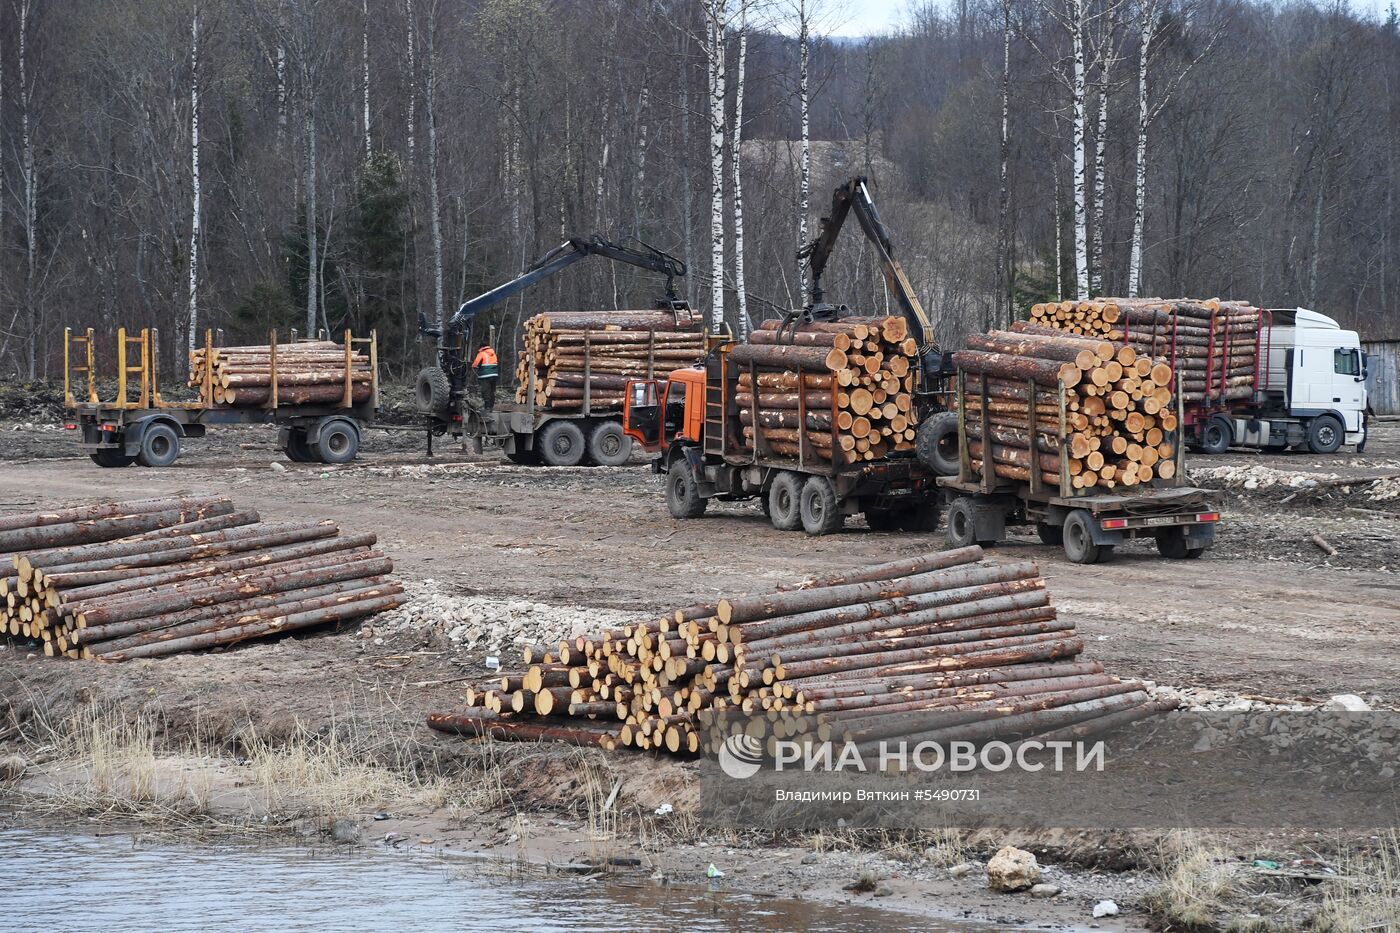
804, 189
430, 89
1004, 268
716, 12
740, 287
193, 322
29, 183
364, 59
412, 70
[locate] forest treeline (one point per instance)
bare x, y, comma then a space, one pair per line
332, 164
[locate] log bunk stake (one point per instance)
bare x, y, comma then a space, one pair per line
155, 577
857, 656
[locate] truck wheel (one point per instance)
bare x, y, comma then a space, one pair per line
1079, 540
433, 391
560, 443
1325, 435
923, 517
1216, 436
607, 445
160, 445
882, 520
962, 524
338, 442
785, 501
936, 443
1050, 534
111, 457
821, 515
683, 497
1171, 543
297, 449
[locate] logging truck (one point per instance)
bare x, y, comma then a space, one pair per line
540, 427
1307, 390
321, 409
699, 427
1079, 493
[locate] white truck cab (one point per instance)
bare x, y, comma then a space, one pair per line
1313, 392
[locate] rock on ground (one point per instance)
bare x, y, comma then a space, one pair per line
1012, 869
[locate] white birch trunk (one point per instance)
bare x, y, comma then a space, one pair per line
1100, 174
313, 265
281, 77
193, 323
1059, 232
435, 208
804, 193
412, 84
1140, 166
737, 149
1080, 144
687, 194
1004, 198
364, 57
638, 201
717, 95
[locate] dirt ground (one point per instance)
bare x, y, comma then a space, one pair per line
1265, 613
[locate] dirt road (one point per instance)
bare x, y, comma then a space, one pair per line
1264, 612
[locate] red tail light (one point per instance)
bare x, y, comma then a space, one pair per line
1208, 517
1110, 524
70, 426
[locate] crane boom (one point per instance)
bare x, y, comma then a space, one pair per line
855, 194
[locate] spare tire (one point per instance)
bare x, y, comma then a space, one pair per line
433, 391
936, 443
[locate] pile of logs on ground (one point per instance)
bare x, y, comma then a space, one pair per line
593, 354
310, 372
833, 386
861, 655
154, 577
1114, 426
1212, 345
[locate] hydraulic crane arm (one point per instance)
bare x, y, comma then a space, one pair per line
561, 257
855, 194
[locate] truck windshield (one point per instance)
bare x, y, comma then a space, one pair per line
1347, 362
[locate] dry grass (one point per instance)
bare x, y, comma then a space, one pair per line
1367, 897
1198, 880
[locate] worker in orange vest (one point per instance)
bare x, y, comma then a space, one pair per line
488, 371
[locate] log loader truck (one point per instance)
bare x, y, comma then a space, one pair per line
694, 426
529, 434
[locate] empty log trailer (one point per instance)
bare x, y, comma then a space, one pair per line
1083, 442
322, 394
739, 430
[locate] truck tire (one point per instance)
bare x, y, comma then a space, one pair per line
1325, 435
561, 443
433, 391
683, 497
297, 449
1217, 435
607, 445
1050, 534
338, 442
821, 514
160, 446
936, 443
1171, 544
111, 457
1079, 540
785, 501
962, 524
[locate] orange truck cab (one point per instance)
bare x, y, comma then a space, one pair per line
657, 412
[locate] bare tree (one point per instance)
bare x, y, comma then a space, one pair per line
804, 191
193, 322
716, 15
740, 283
364, 58
430, 88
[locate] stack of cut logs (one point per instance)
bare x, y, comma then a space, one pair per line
599, 352
1117, 420
860, 655
853, 378
1213, 345
308, 373
1088, 318
161, 576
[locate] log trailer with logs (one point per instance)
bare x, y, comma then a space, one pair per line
322, 394
1251, 377
1083, 438
571, 369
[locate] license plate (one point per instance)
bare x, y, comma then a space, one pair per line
1163, 520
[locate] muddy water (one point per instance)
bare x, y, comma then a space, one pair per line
111, 883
